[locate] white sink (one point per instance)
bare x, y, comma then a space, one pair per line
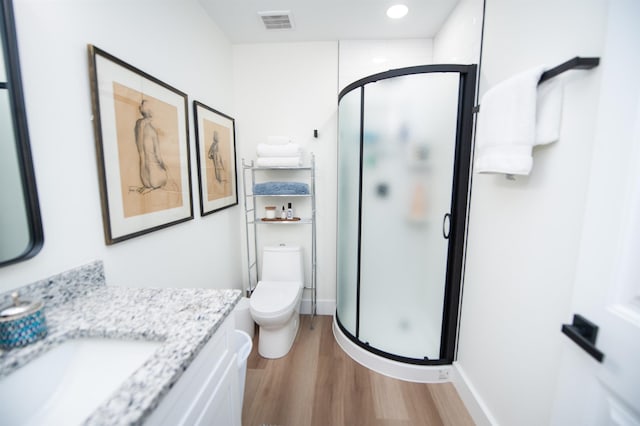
66, 384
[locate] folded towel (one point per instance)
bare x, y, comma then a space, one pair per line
281, 188
278, 161
278, 140
515, 116
549, 112
288, 150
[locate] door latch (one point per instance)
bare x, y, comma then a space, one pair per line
583, 332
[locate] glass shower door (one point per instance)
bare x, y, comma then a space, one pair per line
408, 153
348, 207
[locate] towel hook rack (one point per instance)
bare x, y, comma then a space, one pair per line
577, 63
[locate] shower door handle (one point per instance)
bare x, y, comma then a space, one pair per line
446, 226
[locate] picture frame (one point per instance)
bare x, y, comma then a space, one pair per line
216, 156
142, 149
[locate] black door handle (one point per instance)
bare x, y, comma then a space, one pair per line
446, 231
583, 332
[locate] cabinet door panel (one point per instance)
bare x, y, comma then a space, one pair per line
221, 408
188, 397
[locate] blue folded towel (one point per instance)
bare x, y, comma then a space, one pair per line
281, 188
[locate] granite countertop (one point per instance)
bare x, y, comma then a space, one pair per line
182, 319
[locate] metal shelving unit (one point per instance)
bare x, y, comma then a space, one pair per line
253, 222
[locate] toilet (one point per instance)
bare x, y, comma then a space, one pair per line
275, 302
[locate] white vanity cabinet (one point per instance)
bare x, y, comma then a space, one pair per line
207, 392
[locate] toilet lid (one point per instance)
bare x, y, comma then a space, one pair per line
274, 297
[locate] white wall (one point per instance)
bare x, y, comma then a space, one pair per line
174, 41
459, 39
361, 58
290, 89
524, 235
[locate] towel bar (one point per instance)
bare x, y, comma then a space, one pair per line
577, 63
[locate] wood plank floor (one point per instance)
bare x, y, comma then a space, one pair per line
316, 383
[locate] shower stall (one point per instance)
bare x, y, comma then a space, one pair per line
404, 155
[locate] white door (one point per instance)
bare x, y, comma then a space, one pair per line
607, 287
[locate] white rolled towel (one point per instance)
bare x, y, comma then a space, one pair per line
288, 150
279, 161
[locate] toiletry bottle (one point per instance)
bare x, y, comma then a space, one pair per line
283, 215
289, 212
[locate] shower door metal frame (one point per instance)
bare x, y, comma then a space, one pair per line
457, 212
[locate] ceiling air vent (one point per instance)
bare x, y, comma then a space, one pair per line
277, 20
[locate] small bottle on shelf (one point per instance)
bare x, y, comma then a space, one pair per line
283, 215
289, 212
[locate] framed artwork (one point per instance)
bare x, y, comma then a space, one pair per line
216, 149
142, 147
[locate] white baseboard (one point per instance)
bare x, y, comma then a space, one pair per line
475, 405
323, 307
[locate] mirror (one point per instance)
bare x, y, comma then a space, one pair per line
21, 234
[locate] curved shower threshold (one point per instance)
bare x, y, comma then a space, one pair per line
391, 368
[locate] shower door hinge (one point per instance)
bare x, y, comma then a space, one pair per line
476, 109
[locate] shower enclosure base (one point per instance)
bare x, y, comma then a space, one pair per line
391, 368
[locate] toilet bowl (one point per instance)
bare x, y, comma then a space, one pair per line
275, 302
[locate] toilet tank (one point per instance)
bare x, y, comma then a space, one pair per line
282, 263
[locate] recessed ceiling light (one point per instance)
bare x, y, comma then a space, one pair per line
397, 11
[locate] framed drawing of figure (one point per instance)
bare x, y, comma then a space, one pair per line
216, 149
142, 147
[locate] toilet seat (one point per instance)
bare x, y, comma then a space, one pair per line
274, 298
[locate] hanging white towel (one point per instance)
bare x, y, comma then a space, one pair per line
288, 150
549, 112
515, 116
278, 161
